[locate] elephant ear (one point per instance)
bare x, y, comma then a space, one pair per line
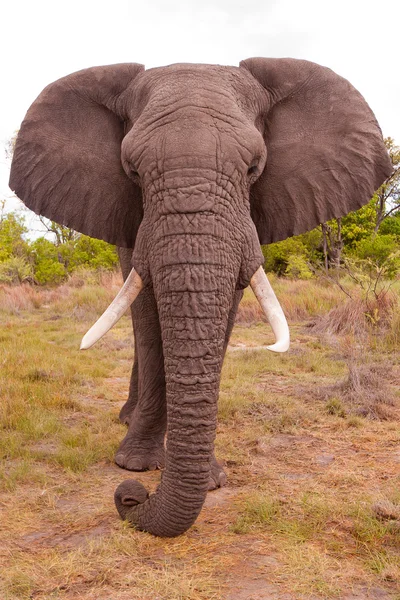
325, 153
67, 164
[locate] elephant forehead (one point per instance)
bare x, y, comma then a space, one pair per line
229, 88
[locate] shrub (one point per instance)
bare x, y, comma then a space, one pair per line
15, 269
12, 229
93, 253
53, 263
391, 226
297, 268
50, 271
47, 262
379, 253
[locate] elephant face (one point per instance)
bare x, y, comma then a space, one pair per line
193, 166
194, 117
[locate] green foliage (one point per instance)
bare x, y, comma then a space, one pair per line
376, 259
54, 263
391, 226
15, 269
44, 261
297, 268
12, 243
48, 265
93, 253
380, 249
291, 257
358, 225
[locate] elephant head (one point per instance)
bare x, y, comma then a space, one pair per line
194, 166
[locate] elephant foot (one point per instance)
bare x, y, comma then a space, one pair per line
217, 475
126, 411
146, 456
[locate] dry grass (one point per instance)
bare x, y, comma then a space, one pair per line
357, 316
365, 390
300, 299
313, 499
84, 290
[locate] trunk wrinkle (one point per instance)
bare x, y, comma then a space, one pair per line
194, 276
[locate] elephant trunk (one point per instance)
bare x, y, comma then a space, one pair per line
194, 279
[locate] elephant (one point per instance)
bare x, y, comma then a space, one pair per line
188, 168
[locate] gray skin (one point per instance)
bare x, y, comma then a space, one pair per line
143, 447
192, 166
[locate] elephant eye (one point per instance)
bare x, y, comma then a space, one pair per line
133, 173
252, 170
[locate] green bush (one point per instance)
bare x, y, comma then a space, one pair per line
53, 263
48, 265
93, 253
50, 272
391, 226
359, 225
12, 243
293, 254
380, 254
15, 269
298, 268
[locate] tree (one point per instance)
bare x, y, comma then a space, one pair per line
387, 197
12, 230
46, 261
61, 233
349, 231
292, 257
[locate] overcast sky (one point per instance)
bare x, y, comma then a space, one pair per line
43, 40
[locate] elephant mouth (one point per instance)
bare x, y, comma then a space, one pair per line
134, 284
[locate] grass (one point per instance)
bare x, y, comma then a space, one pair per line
312, 502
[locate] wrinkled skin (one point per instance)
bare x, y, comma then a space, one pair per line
143, 446
192, 166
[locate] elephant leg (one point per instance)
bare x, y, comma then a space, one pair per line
125, 259
217, 473
126, 411
145, 411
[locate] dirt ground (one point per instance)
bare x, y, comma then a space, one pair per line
300, 518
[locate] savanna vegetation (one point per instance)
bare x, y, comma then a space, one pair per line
310, 439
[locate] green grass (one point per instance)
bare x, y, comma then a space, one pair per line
287, 517
258, 510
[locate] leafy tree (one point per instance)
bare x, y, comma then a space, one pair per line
53, 263
93, 253
377, 248
378, 216
298, 268
61, 233
12, 230
293, 256
387, 197
391, 226
47, 266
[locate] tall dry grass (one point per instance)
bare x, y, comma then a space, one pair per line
300, 300
84, 292
359, 316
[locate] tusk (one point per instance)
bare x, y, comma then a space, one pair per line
114, 312
272, 310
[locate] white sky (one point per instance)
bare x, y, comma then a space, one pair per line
43, 40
